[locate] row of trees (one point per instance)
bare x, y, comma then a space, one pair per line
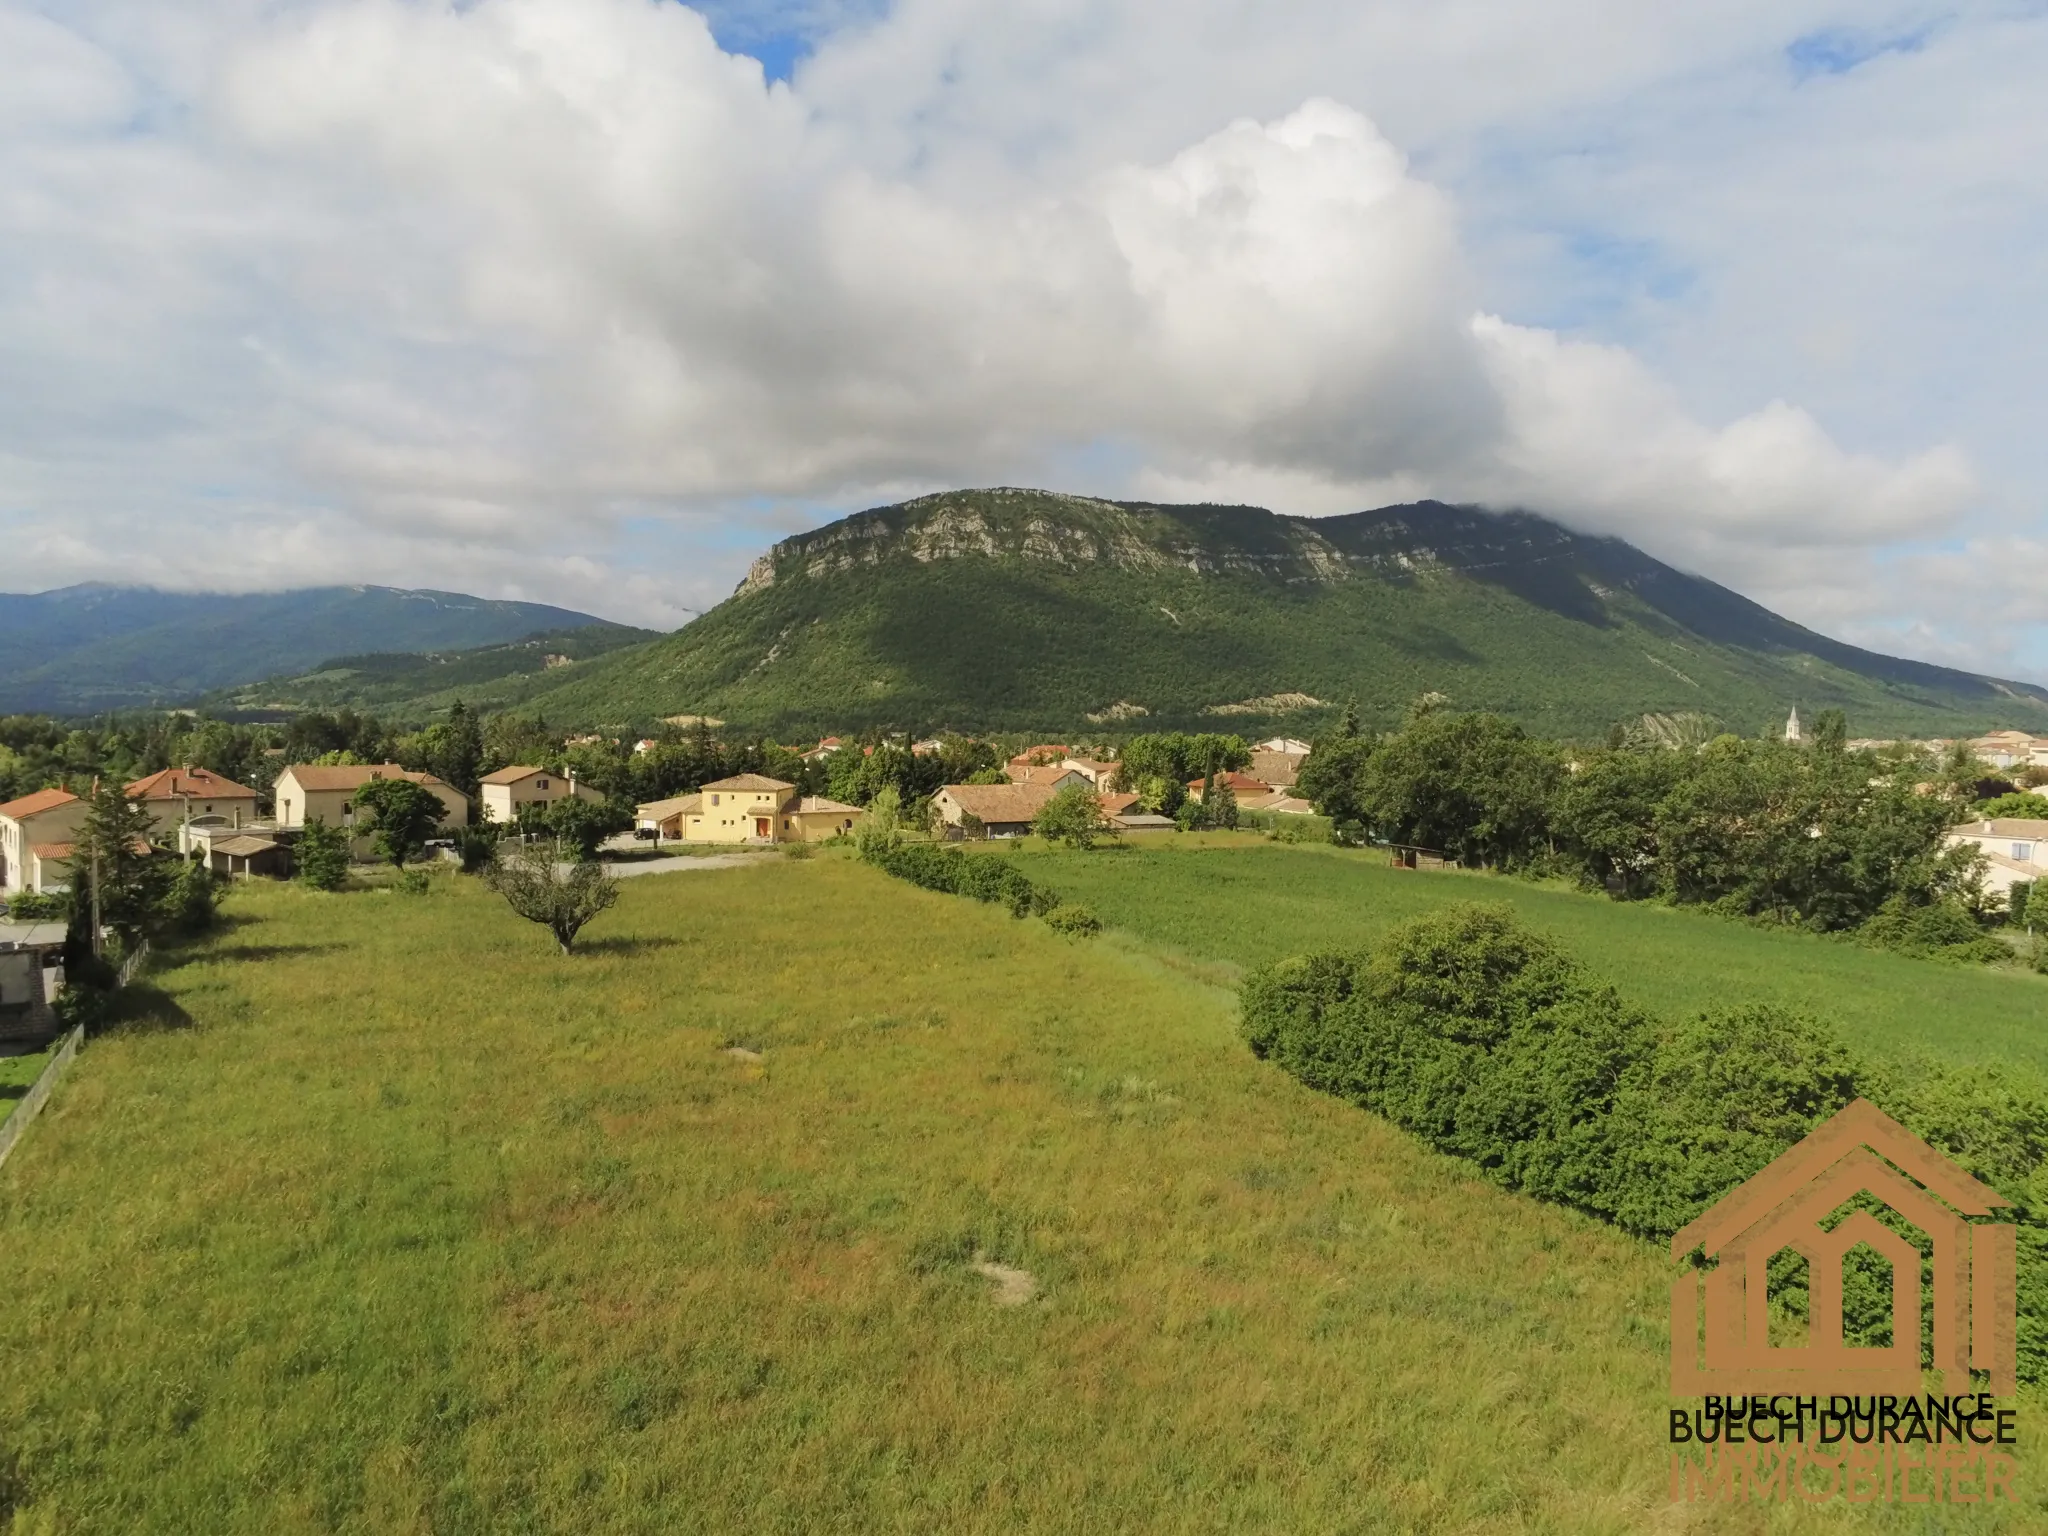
1815, 835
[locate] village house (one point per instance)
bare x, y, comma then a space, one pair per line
1279, 769
823, 749
307, 792
1285, 745
502, 795
179, 797
815, 818
36, 836
1039, 756
1097, 772
1053, 776
1003, 810
1242, 785
664, 818
752, 808
2010, 749
2015, 849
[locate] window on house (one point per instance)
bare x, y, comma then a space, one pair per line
540, 783
2023, 853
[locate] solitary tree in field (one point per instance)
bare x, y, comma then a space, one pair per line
537, 886
407, 816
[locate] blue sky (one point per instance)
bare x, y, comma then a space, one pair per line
564, 299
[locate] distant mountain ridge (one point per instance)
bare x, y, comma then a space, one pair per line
1018, 609
80, 649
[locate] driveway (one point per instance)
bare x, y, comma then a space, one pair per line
676, 865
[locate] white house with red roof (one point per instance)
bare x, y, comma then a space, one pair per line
37, 832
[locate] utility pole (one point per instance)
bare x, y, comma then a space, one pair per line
96, 882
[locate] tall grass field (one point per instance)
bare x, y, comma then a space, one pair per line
798, 1200
1241, 901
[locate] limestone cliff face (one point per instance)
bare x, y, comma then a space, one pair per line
1077, 531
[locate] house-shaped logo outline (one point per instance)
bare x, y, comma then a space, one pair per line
1861, 1150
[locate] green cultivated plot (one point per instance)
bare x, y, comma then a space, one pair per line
1252, 903
804, 1201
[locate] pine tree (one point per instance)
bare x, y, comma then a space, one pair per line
465, 748
124, 878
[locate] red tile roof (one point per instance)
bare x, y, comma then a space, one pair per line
749, 781
1240, 784
192, 783
34, 805
52, 850
1023, 759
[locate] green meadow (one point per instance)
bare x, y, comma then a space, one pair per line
1241, 901
17, 1075
803, 1200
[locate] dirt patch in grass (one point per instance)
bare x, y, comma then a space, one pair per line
1014, 1286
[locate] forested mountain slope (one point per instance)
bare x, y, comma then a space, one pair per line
86, 648
1015, 609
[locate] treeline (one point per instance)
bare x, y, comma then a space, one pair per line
1489, 1042
37, 752
1813, 835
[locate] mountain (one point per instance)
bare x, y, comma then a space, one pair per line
87, 648
410, 685
1014, 609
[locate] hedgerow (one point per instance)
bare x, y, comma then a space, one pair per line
1489, 1042
989, 879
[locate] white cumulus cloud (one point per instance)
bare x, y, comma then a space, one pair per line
473, 295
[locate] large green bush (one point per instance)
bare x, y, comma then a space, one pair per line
1489, 1042
983, 877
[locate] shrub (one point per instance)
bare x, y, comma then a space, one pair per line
797, 850
939, 868
189, 902
33, 907
1487, 1041
411, 882
2016, 903
322, 855
476, 847
1939, 930
1075, 922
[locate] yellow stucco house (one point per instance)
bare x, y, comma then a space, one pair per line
752, 808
